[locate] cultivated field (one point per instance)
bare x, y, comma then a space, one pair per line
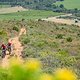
5, 6
70, 4
30, 14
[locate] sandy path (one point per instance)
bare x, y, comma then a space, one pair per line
62, 21
12, 9
17, 48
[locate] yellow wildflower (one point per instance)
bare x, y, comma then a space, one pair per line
15, 61
46, 77
65, 74
33, 64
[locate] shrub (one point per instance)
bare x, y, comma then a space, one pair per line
53, 44
41, 44
3, 33
60, 36
39, 20
26, 40
76, 21
23, 19
63, 53
78, 34
69, 39
16, 28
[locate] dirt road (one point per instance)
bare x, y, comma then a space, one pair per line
62, 21
12, 9
17, 48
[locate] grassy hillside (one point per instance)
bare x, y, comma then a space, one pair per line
55, 45
70, 4
5, 6
31, 14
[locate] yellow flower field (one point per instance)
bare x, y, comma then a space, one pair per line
31, 70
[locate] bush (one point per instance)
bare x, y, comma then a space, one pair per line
69, 39
3, 33
40, 44
78, 34
39, 20
25, 40
53, 44
16, 28
63, 53
60, 36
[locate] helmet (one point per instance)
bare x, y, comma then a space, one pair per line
3, 46
9, 43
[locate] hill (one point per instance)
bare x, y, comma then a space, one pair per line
39, 35
55, 45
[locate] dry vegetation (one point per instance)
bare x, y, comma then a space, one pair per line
55, 45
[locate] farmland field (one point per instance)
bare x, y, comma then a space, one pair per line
5, 6
30, 14
69, 4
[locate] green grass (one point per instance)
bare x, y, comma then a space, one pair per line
54, 44
41, 42
31, 14
70, 4
5, 6
27, 71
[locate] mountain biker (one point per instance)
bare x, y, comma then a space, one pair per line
9, 47
3, 46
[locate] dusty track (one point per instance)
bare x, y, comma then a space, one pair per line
12, 9
17, 48
62, 21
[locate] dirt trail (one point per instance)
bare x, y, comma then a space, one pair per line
12, 9
17, 48
62, 21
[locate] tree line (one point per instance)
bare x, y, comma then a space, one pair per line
40, 5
